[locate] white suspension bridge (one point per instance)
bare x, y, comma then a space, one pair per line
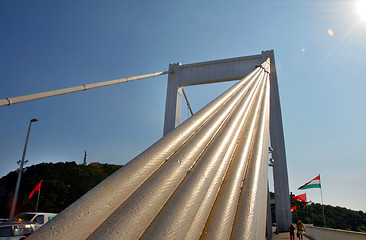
207, 178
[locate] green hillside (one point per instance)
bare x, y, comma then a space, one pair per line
335, 217
62, 184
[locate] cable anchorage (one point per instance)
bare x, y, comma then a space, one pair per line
265, 70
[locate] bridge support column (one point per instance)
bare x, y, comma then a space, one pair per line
173, 99
280, 176
269, 235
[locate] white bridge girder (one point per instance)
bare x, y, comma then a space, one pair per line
202, 73
229, 70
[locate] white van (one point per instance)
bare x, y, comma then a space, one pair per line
35, 217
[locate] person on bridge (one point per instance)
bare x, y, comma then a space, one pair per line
292, 232
300, 229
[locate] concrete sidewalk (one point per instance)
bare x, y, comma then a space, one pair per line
286, 235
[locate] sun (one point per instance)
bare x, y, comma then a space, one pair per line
361, 8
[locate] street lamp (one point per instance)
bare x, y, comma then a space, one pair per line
13, 205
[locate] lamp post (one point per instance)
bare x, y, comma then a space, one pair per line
14, 203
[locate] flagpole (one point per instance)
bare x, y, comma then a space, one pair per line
312, 218
39, 192
321, 194
297, 217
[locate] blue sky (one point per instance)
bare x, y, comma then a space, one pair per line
319, 51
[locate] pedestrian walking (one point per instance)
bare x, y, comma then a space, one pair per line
292, 232
300, 229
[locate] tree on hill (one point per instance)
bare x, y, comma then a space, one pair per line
63, 183
335, 217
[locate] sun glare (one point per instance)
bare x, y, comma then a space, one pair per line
361, 7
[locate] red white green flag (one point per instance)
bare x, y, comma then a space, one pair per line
315, 183
307, 204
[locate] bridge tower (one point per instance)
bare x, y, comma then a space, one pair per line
229, 70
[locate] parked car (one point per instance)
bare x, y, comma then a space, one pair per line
17, 231
3, 220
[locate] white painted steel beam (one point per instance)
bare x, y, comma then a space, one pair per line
173, 99
202, 73
280, 175
217, 71
171, 189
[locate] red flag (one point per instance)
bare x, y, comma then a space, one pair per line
37, 188
293, 208
301, 197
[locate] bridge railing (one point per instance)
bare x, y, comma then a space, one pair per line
319, 233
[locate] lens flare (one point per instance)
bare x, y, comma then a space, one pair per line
361, 8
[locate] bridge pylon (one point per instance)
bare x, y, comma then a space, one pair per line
181, 75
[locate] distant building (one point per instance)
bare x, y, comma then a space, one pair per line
84, 163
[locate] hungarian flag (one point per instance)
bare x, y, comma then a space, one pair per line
294, 208
301, 197
307, 204
315, 183
37, 188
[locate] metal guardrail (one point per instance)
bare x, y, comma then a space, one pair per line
319, 233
